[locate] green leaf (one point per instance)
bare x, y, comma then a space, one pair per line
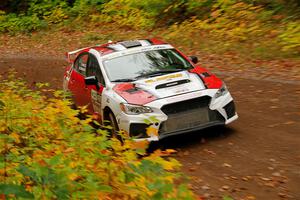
129, 177
140, 151
147, 121
17, 190
4, 136
153, 119
54, 160
1, 105
28, 172
105, 188
62, 193
227, 198
157, 196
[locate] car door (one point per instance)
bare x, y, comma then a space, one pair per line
94, 92
76, 83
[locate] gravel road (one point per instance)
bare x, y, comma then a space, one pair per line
256, 157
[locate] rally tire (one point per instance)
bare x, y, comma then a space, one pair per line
113, 123
115, 128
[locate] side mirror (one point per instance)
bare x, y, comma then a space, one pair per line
91, 80
194, 59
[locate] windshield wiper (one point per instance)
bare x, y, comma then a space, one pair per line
124, 80
160, 72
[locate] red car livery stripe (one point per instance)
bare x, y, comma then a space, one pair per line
211, 81
133, 95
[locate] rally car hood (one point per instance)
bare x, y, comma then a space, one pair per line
171, 84
143, 91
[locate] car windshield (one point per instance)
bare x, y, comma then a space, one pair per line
145, 64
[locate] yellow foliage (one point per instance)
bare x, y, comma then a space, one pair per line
57, 15
16, 137
73, 176
290, 37
152, 131
140, 145
55, 155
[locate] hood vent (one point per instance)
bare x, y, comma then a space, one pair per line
171, 84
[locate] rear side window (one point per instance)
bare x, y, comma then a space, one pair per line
93, 69
81, 63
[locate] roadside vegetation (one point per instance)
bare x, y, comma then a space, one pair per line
47, 152
261, 28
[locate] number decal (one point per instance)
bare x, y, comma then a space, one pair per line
96, 101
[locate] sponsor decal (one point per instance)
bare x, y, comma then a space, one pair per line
163, 78
181, 90
96, 100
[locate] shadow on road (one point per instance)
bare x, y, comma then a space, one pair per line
192, 139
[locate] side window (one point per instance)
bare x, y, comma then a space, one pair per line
93, 69
81, 63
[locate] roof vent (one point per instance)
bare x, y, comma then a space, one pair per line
130, 43
145, 43
116, 47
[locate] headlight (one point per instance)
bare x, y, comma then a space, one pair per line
222, 91
134, 109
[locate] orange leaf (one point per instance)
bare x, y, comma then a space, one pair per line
140, 144
170, 151
152, 131
2, 197
16, 137
42, 162
167, 152
69, 150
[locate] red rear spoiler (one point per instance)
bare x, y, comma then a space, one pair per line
70, 56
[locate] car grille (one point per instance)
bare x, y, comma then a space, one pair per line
188, 114
187, 105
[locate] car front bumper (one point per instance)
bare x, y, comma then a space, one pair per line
180, 114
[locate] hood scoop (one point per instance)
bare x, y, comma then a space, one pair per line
144, 91
171, 84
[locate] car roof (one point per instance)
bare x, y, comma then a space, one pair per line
111, 47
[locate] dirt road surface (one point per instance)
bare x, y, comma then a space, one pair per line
256, 157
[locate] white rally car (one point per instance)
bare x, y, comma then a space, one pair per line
147, 83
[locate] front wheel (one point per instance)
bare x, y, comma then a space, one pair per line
115, 128
114, 124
